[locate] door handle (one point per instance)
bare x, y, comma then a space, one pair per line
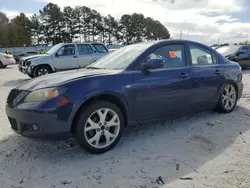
184, 75
75, 56
217, 72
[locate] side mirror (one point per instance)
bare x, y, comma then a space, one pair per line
152, 64
57, 55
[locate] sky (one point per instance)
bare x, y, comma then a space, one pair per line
207, 21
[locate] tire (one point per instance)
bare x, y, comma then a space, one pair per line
1, 65
87, 139
31, 76
229, 98
42, 70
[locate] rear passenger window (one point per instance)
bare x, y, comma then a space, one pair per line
172, 55
100, 48
202, 56
244, 49
84, 49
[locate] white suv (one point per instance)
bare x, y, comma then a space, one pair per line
62, 57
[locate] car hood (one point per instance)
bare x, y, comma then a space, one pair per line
230, 55
56, 79
33, 57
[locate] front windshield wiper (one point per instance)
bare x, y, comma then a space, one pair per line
94, 68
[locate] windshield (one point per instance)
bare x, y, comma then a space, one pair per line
122, 58
228, 50
54, 49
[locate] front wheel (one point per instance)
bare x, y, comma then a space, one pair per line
99, 127
42, 70
228, 99
31, 76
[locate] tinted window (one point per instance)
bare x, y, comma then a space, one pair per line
67, 50
100, 48
228, 50
84, 49
31, 52
172, 55
244, 49
200, 55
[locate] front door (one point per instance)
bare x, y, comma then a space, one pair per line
66, 58
208, 76
164, 91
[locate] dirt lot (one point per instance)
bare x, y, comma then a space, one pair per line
208, 149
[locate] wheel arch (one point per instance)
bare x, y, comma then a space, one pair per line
44, 64
111, 97
222, 87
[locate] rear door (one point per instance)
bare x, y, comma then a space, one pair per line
208, 76
66, 58
100, 49
86, 55
164, 91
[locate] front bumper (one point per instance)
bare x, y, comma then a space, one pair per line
240, 89
50, 123
22, 69
25, 70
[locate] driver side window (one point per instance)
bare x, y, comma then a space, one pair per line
67, 50
171, 55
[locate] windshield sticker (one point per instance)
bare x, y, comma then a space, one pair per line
172, 54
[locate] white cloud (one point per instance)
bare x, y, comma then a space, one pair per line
13, 13
211, 19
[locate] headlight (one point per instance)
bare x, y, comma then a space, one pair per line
28, 63
44, 94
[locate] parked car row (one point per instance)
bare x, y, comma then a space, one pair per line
136, 83
62, 57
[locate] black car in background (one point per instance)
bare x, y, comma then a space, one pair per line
237, 53
24, 54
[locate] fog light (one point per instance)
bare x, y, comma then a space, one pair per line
34, 127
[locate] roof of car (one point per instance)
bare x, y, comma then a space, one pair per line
82, 43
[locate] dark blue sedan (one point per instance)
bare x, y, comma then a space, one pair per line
138, 82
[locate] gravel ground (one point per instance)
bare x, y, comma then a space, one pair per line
203, 150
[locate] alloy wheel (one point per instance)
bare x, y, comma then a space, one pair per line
42, 72
102, 128
229, 97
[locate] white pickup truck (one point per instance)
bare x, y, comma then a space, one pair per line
62, 57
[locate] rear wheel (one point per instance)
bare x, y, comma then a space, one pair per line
42, 70
99, 127
2, 66
228, 99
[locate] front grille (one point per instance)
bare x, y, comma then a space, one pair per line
13, 94
13, 123
20, 62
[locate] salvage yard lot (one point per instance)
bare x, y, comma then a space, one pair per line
209, 149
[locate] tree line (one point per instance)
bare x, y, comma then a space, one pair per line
55, 25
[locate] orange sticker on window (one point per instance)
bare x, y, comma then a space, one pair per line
172, 54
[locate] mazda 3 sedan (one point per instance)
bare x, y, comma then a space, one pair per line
135, 83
